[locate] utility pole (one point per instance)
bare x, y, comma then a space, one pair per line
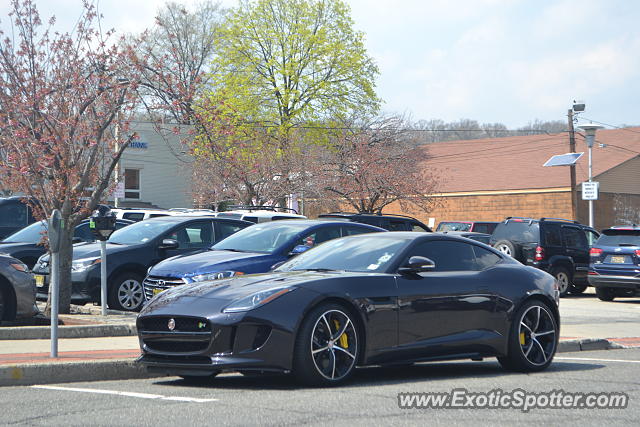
572, 168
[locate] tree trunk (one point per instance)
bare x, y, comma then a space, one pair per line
66, 257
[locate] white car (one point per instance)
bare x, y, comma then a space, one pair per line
259, 215
139, 214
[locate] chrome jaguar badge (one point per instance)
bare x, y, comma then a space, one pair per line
172, 324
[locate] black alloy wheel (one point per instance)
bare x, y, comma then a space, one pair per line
533, 339
327, 346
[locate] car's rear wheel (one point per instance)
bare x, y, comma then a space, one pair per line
506, 247
564, 280
605, 294
327, 346
533, 338
126, 292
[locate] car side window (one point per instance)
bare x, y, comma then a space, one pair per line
352, 231
591, 237
133, 216
485, 258
574, 238
417, 227
84, 232
319, 236
552, 235
226, 229
448, 255
395, 225
194, 235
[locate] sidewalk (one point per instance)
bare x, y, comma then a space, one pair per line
92, 356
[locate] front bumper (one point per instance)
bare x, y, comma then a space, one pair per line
615, 281
85, 285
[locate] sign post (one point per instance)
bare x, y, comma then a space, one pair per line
53, 232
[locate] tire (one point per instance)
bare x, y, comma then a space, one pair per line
605, 294
577, 289
4, 303
126, 292
327, 346
564, 280
533, 339
199, 379
507, 247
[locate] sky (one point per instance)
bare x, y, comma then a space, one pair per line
506, 61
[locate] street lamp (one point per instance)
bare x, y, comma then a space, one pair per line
590, 132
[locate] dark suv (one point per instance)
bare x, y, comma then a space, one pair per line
387, 221
557, 246
615, 261
14, 215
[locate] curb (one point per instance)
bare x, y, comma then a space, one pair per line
84, 331
52, 373
588, 344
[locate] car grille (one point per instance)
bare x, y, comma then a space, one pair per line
185, 335
154, 284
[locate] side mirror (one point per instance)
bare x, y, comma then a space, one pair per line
169, 244
417, 264
299, 249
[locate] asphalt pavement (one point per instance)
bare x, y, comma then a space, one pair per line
370, 398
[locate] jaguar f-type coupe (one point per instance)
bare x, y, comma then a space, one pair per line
372, 299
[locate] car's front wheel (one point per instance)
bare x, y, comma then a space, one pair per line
605, 294
533, 338
126, 292
327, 346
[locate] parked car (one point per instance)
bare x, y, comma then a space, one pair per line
26, 244
391, 222
139, 214
252, 250
17, 289
479, 237
372, 299
257, 214
130, 253
14, 215
558, 246
615, 258
477, 226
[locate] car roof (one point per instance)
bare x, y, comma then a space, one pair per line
314, 222
261, 213
185, 218
463, 233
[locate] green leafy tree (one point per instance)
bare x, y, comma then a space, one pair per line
292, 63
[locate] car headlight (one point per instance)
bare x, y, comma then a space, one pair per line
255, 300
84, 263
215, 276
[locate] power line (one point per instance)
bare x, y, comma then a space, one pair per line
610, 125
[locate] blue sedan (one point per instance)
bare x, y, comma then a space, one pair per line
256, 249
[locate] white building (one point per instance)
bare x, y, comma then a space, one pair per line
156, 169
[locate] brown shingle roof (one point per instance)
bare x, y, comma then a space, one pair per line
514, 163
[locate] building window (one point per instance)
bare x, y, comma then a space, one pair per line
132, 184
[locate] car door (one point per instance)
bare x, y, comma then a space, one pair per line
225, 229
577, 247
441, 310
191, 237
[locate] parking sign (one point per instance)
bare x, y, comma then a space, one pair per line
590, 190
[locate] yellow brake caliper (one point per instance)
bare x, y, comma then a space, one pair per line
344, 341
521, 338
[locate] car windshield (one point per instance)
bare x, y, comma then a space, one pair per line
30, 234
360, 254
619, 238
454, 226
262, 238
140, 232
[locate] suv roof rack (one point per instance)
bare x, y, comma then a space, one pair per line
261, 207
372, 214
560, 219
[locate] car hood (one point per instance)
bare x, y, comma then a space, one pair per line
227, 290
205, 262
9, 247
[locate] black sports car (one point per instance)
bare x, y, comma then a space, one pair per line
383, 298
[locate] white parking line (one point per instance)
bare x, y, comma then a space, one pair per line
596, 360
126, 393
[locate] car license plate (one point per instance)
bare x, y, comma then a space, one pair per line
615, 259
156, 291
39, 280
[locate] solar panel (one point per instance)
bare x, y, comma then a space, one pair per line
563, 159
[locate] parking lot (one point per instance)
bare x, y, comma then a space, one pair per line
370, 398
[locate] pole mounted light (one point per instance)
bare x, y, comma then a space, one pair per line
590, 136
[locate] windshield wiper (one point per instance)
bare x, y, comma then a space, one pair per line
233, 250
318, 269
